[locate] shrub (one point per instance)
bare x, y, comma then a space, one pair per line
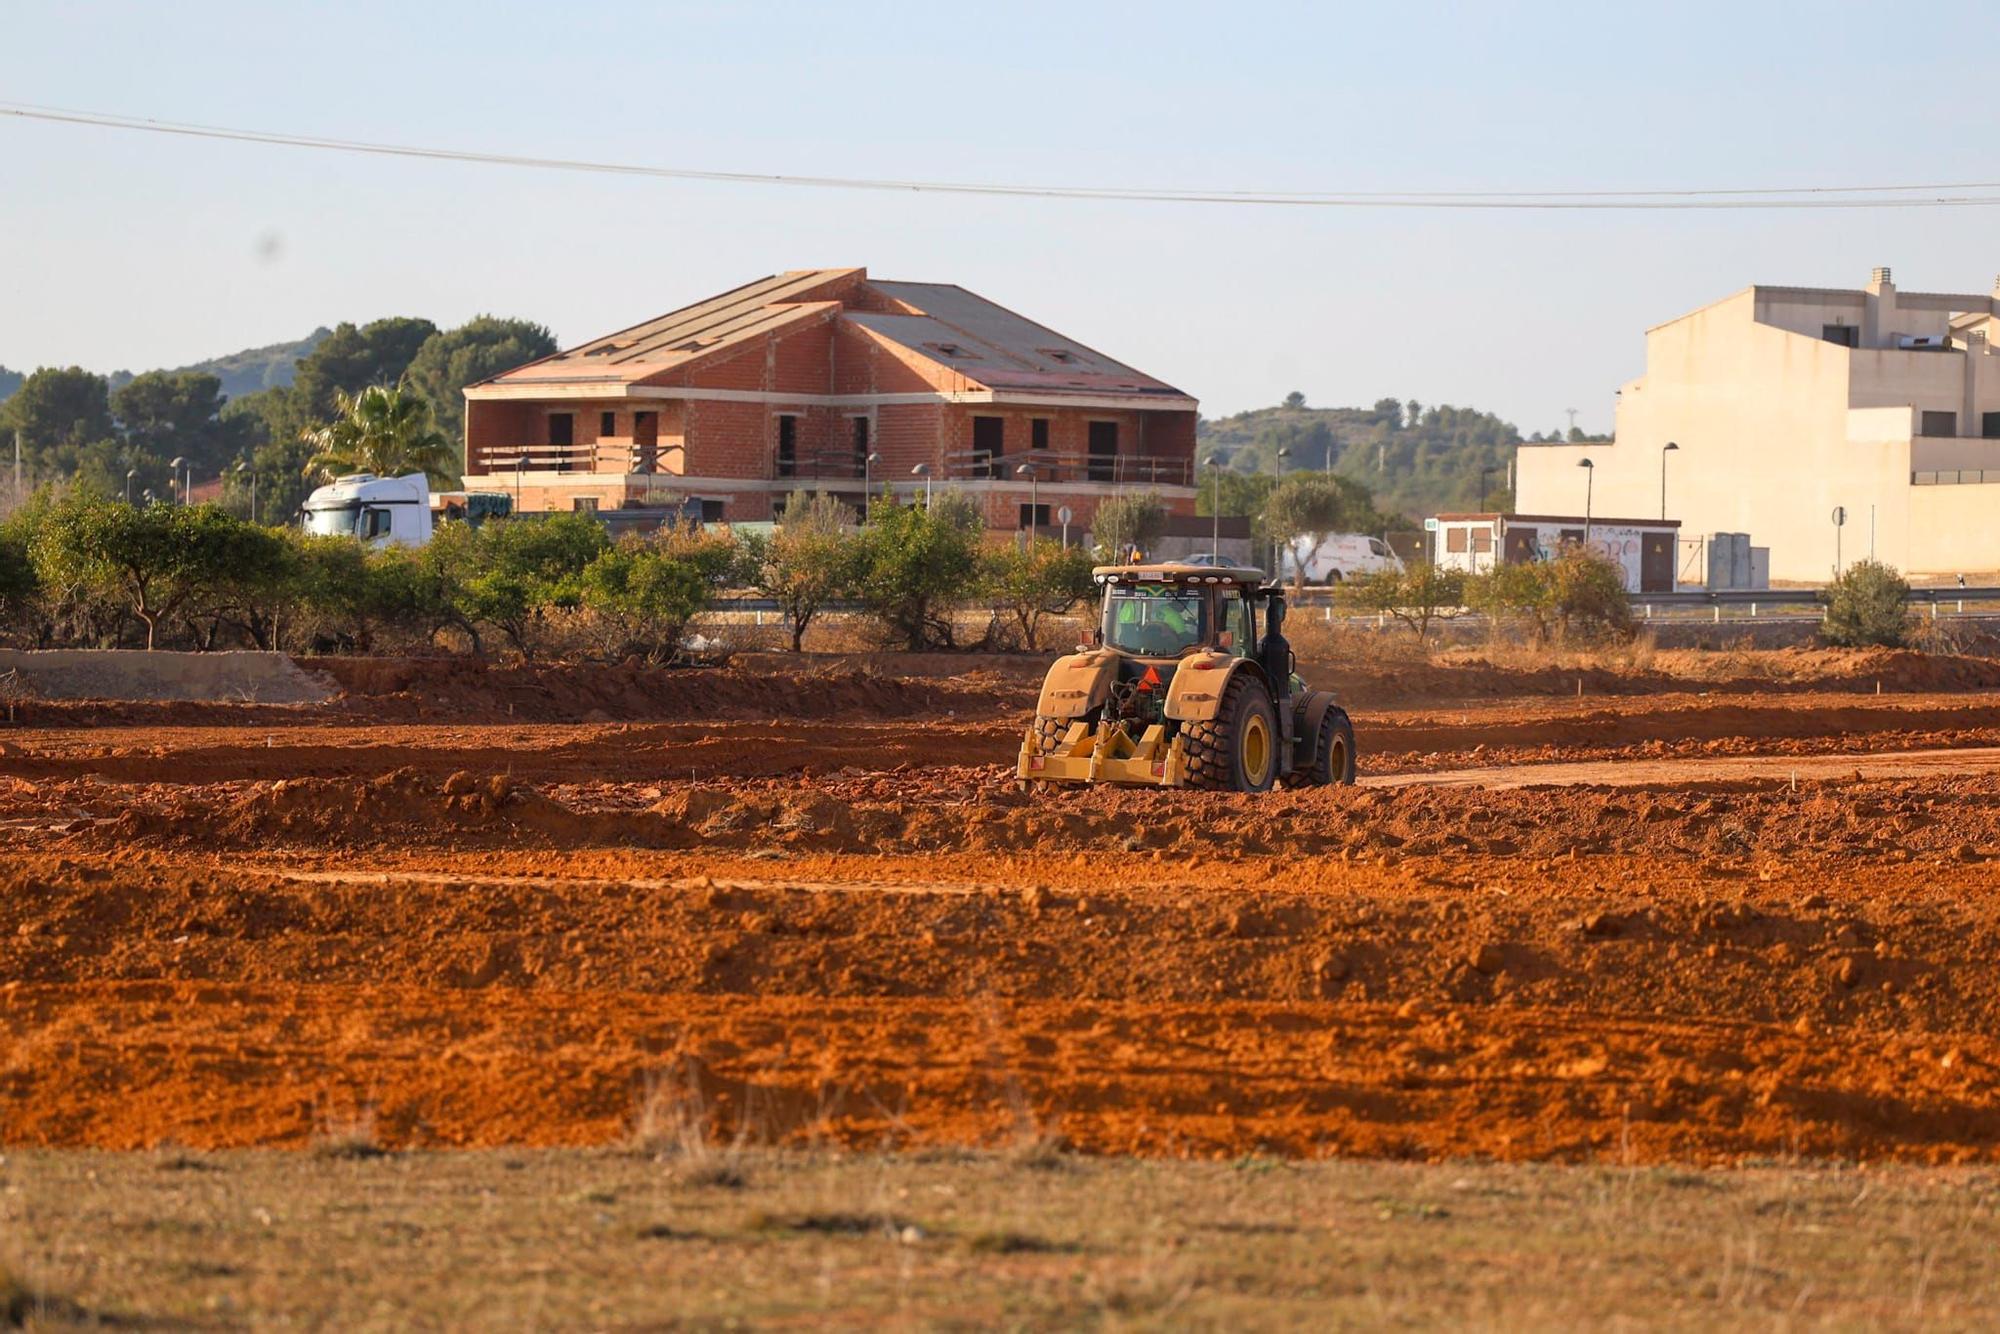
1030, 583
1508, 592
915, 564
1578, 595
651, 587
522, 568
811, 560
1417, 595
1868, 604
156, 560
1588, 594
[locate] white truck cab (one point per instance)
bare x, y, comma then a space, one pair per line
381, 511
1341, 557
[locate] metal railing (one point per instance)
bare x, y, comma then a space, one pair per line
838, 465
1057, 466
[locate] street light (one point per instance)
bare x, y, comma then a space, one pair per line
923, 470
1589, 481
1214, 464
147, 495
1669, 448
1034, 477
520, 467
1284, 453
243, 467
177, 463
130, 473
868, 462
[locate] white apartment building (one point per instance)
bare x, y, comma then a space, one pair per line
1769, 410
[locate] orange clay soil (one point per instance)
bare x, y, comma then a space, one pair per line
1664, 966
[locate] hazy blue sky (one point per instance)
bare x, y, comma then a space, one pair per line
130, 250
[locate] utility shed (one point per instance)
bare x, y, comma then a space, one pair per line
1645, 549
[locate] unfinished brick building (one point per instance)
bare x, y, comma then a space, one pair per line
828, 380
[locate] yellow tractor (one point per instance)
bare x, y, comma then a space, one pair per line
1177, 688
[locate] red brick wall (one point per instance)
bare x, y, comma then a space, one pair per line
498, 424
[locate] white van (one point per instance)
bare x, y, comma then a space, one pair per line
381, 511
1341, 557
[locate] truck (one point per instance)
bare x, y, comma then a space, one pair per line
1340, 557
381, 511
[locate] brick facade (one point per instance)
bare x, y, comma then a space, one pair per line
743, 419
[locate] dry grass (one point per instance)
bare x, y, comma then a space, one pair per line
672, 1123
597, 1239
349, 1137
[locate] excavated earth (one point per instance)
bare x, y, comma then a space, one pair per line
1671, 920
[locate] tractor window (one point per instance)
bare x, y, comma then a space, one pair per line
1242, 630
1155, 620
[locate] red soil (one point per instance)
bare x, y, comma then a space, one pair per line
859, 932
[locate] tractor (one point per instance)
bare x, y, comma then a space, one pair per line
1177, 688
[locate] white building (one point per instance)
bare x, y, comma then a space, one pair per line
1770, 410
1643, 549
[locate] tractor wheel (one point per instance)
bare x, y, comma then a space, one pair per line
1049, 733
1333, 753
1236, 751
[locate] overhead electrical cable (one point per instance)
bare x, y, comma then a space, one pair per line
1934, 195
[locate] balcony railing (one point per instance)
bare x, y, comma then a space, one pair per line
1054, 466
1954, 476
835, 465
603, 456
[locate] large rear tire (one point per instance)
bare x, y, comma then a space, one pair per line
1237, 750
1333, 753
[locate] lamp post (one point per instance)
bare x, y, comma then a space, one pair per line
1669, 448
520, 467
923, 470
243, 468
868, 462
1034, 477
1485, 487
1589, 482
1284, 456
130, 473
147, 495
177, 463
1214, 465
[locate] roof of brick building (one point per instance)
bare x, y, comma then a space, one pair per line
959, 330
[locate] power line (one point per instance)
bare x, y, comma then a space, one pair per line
1936, 195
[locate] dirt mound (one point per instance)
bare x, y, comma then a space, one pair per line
1466, 674
473, 690
975, 810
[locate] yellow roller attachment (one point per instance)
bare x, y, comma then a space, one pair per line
1107, 755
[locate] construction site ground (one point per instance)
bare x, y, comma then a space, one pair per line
1685, 920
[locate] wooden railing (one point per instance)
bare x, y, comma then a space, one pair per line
603, 456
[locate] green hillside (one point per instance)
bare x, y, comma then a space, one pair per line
242, 373
1417, 460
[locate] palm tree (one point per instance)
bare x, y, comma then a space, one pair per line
385, 431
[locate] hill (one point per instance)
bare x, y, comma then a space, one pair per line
1416, 460
249, 371
9, 382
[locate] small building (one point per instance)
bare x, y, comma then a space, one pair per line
830, 380
1647, 550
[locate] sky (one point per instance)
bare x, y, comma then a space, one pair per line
124, 250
